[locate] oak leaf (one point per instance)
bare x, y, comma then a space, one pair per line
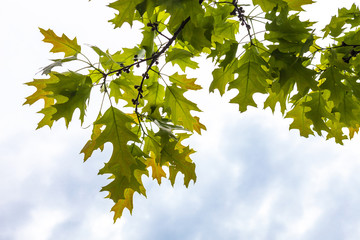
61, 44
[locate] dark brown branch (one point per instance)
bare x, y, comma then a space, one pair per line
154, 59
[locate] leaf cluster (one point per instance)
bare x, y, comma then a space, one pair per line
264, 48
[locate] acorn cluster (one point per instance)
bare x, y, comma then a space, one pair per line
239, 12
154, 26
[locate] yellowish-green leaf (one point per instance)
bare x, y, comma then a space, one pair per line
118, 133
126, 10
251, 79
198, 125
353, 130
268, 5
297, 4
89, 147
179, 107
184, 82
181, 57
319, 111
157, 171
300, 122
222, 76
121, 204
179, 162
61, 44
40, 92
72, 91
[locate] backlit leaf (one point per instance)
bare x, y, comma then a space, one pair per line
72, 91
126, 11
184, 82
118, 133
251, 79
61, 44
319, 111
179, 107
297, 4
267, 5
121, 204
179, 162
157, 171
222, 76
181, 57
300, 122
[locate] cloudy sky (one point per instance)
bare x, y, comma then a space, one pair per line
256, 179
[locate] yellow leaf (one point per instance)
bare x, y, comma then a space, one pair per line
61, 44
352, 131
90, 145
198, 125
119, 207
40, 93
134, 117
184, 82
157, 171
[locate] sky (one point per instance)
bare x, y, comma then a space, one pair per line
255, 179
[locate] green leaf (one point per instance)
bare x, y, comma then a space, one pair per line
336, 131
179, 162
291, 70
337, 23
230, 54
288, 32
123, 88
181, 57
154, 97
251, 78
198, 32
332, 78
71, 92
41, 93
179, 107
300, 122
180, 10
319, 111
126, 164
222, 76
349, 109
61, 44
268, 5
105, 59
279, 95
354, 85
166, 129
56, 63
147, 6
118, 133
126, 11
89, 147
297, 4
126, 57
224, 28
148, 41
184, 82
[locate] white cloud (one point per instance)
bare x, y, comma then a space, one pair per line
41, 224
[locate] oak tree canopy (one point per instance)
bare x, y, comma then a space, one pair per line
258, 46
